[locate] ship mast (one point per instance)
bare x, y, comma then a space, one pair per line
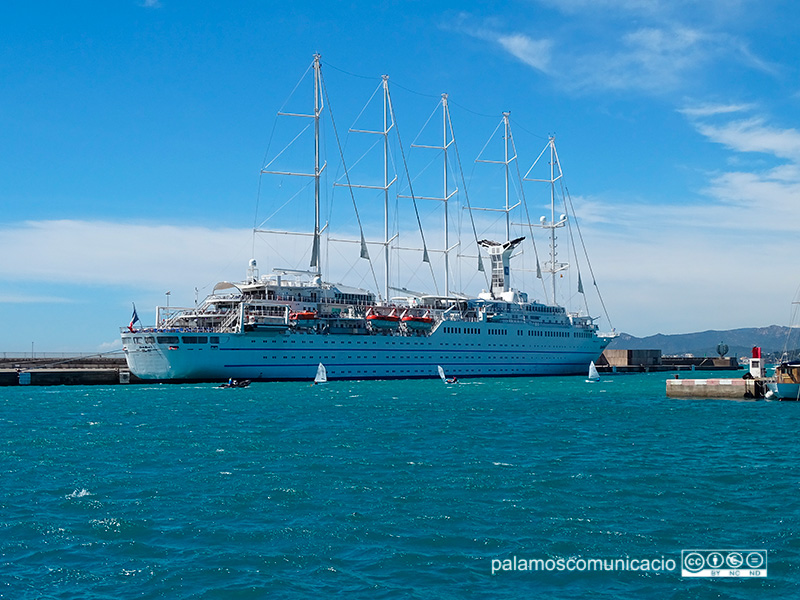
317, 110
318, 169
506, 162
446, 192
552, 266
386, 186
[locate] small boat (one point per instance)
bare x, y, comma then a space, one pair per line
379, 321
417, 323
305, 318
787, 382
594, 376
322, 374
443, 377
236, 383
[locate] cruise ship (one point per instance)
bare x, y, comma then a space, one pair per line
284, 324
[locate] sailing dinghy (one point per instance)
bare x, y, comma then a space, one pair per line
594, 376
322, 374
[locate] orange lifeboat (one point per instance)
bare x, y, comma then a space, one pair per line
303, 318
423, 323
379, 321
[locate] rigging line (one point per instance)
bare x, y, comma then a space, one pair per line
335, 68
527, 213
294, 139
264, 160
367, 103
469, 110
411, 190
586, 253
255, 217
491, 137
466, 197
296, 85
394, 83
528, 131
572, 241
347, 175
282, 206
433, 112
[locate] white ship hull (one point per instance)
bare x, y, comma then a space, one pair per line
508, 350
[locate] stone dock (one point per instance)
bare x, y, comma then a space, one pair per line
95, 369
753, 388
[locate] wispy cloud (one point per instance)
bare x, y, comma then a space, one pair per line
710, 110
623, 45
106, 253
535, 53
754, 135
29, 299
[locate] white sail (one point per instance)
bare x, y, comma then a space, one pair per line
593, 374
322, 374
441, 373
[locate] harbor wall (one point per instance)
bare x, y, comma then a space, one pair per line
622, 361
56, 370
716, 388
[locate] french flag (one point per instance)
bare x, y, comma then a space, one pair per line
134, 319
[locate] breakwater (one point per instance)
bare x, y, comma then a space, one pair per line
78, 369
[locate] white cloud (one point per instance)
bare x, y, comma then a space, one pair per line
648, 45
105, 253
710, 110
31, 299
753, 135
535, 53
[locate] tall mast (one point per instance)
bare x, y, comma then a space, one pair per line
317, 110
386, 186
444, 195
388, 125
506, 136
509, 156
553, 218
319, 105
552, 266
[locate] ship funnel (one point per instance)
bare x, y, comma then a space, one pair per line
500, 257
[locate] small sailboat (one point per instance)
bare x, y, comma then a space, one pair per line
443, 377
322, 374
593, 374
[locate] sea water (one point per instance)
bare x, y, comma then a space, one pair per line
391, 489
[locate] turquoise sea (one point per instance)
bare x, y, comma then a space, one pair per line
390, 489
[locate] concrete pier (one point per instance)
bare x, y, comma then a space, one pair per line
717, 388
78, 370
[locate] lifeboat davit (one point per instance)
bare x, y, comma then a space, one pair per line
423, 323
379, 321
303, 318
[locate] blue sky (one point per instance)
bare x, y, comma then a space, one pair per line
134, 131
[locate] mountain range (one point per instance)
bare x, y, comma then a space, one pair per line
773, 340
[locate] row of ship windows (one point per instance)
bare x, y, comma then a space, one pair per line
548, 333
467, 330
474, 330
426, 372
427, 359
202, 339
173, 339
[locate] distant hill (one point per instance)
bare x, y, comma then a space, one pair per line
740, 342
